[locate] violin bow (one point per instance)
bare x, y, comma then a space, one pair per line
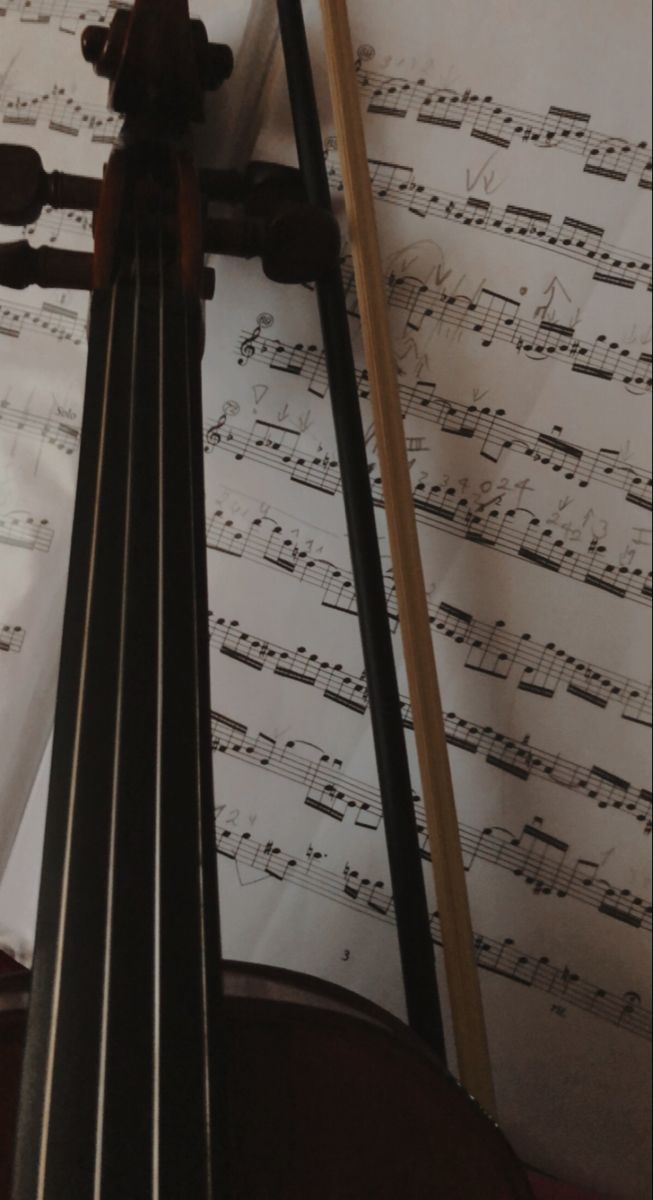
414, 932
437, 788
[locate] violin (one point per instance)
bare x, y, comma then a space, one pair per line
148, 1066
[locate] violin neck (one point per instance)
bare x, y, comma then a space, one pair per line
126, 983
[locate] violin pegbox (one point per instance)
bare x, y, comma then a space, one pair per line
159, 62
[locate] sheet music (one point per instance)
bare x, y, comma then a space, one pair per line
510, 160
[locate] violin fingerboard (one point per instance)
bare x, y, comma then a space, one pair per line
120, 1044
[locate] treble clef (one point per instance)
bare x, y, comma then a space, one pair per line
248, 346
213, 436
365, 53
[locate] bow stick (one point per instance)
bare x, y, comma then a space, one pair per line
404, 858
446, 856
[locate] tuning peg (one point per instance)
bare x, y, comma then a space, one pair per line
301, 241
223, 186
102, 46
272, 187
22, 265
298, 246
297, 242
25, 187
215, 62
301, 245
263, 187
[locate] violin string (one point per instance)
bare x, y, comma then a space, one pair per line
198, 778
156, 1081
108, 939
74, 773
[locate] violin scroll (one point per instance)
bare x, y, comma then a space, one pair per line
158, 61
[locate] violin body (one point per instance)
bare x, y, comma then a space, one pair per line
330, 1098
14, 995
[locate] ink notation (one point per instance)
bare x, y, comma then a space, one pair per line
604, 156
371, 897
542, 861
490, 429
568, 237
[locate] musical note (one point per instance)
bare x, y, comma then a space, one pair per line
299, 665
516, 532
504, 125
537, 857
495, 318
11, 638
364, 894
568, 237
525, 761
51, 431
492, 649
54, 320
631, 1003
68, 14
348, 688
612, 158
326, 790
58, 224
61, 113
623, 906
492, 429
277, 446
394, 99
22, 530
